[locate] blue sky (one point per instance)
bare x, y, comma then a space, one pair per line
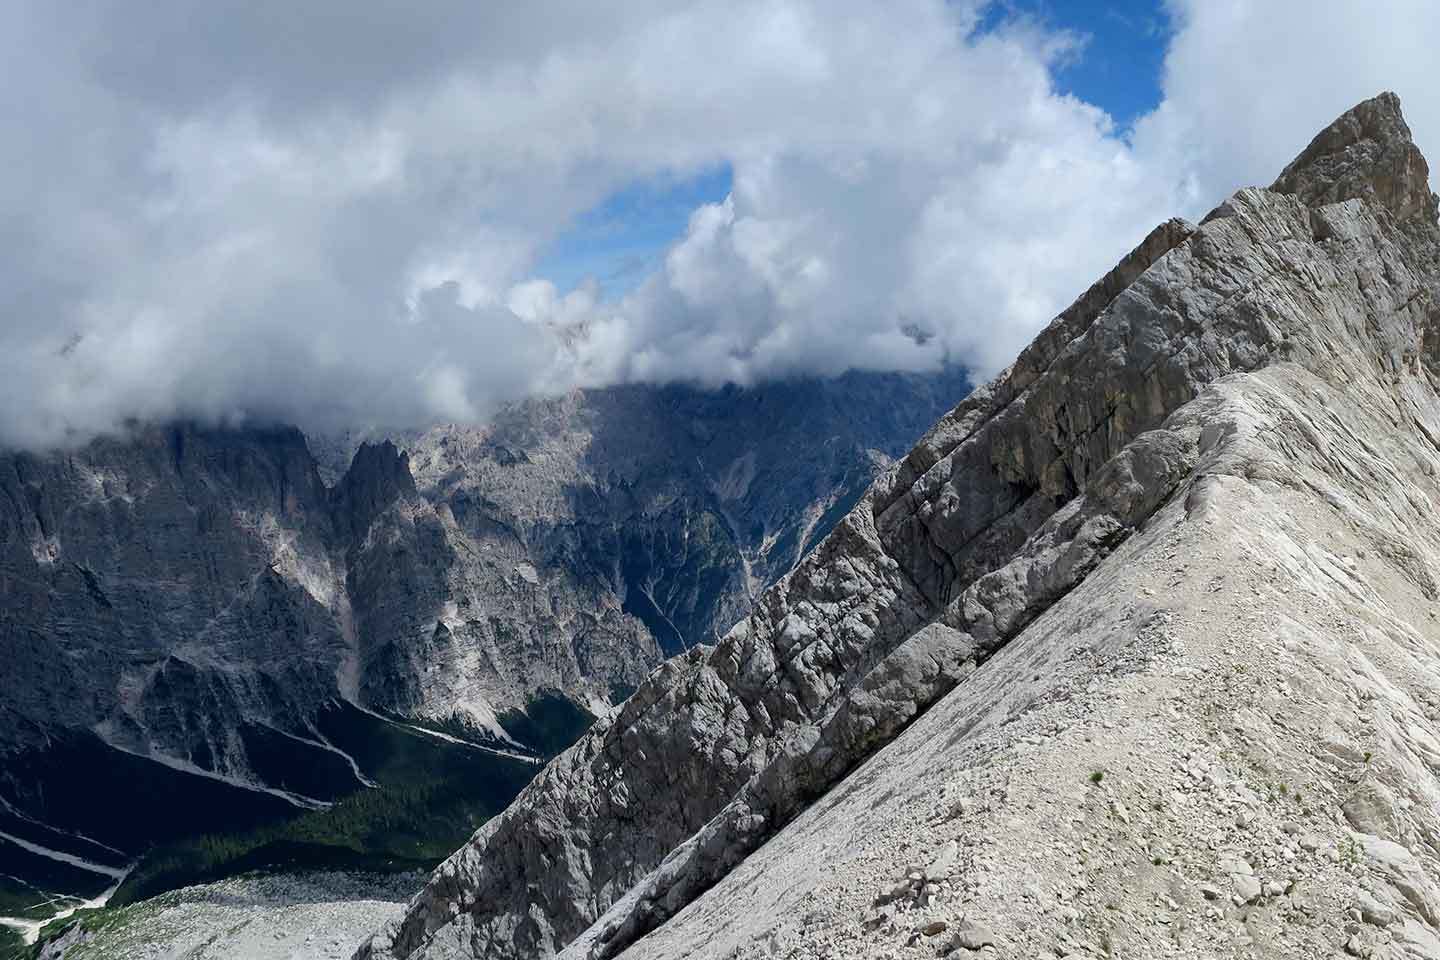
620, 241
1117, 68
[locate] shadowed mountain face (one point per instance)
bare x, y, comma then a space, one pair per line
586, 537
188, 604
1133, 654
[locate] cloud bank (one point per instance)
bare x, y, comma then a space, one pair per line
332, 213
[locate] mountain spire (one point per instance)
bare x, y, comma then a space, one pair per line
1368, 153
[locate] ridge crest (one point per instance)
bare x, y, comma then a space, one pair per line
1366, 153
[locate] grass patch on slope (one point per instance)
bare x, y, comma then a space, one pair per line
433, 795
12, 945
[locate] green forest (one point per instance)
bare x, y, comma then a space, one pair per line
432, 794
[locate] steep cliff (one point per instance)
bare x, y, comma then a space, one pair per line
629, 519
1161, 598
194, 623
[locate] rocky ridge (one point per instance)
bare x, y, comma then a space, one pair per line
1132, 655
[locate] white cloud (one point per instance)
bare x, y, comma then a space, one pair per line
333, 217
1249, 82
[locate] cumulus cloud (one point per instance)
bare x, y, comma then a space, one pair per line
332, 213
1247, 83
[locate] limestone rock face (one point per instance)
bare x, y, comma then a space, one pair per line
1365, 154
1110, 602
184, 594
132, 569
634, 522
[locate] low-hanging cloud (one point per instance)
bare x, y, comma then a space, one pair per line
332, 213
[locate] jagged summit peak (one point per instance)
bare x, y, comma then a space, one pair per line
379, 475
1368, 153
381, 454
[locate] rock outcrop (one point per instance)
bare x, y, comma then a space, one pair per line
1058, 680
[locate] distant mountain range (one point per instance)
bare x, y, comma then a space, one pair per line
292, 646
